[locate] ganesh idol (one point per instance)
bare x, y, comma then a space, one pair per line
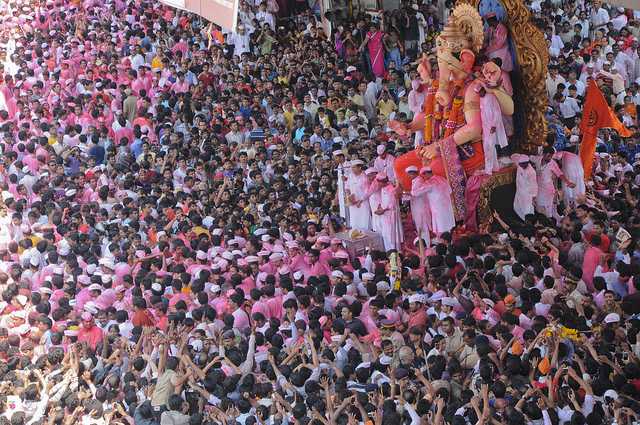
462, 115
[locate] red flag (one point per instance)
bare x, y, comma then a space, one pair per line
596, 115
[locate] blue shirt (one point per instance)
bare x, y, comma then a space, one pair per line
620, 288
97, 152
136, 147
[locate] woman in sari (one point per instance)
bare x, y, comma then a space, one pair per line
373, 42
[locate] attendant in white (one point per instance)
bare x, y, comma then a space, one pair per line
438, 194
526, 186
420, 210
343, 172
373, 197
416, 101
573, 169
357, 186
388, 210
547, 169
384, 163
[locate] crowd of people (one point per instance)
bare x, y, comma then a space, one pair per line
173, 195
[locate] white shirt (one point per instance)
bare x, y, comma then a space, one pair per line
580, 87
569, 108
601, 17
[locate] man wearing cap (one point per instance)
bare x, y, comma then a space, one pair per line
547, 169
420, 209
438, 194
526, 186
388, 210
356, 192
373, 197
384, 163
343, 174
89, 332
572, 168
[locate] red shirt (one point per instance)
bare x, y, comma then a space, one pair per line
142, 318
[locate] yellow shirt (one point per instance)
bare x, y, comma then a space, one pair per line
386, 108
156, 63
200, 230
288, 117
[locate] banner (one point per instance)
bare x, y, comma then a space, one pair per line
629, 4
220, 12
178, 4
596, 115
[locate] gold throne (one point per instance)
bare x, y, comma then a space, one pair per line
532, 57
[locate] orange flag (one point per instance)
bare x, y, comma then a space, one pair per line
596, 115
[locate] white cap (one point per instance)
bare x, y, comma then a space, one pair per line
438, 296
156, 287
351, 68
107, 262
367, 276
612, 318
416, 298
95, 287
207, 221
337, 274
411, 169
276, 256
383, 285
611, 394
450, 301
488, 302
201, 255
298, 275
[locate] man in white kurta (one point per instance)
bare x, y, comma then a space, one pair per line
384, 163
373, 198
526, 186
357, 187
419, 205
389, 213
547, 169
573, 169
438, 194
343, 172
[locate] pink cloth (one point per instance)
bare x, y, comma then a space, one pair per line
472, 198
91, 336
493, 133
376, 52
392, 234
592, 257
498, 46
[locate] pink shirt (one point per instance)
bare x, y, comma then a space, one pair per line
92, 336
241, 320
